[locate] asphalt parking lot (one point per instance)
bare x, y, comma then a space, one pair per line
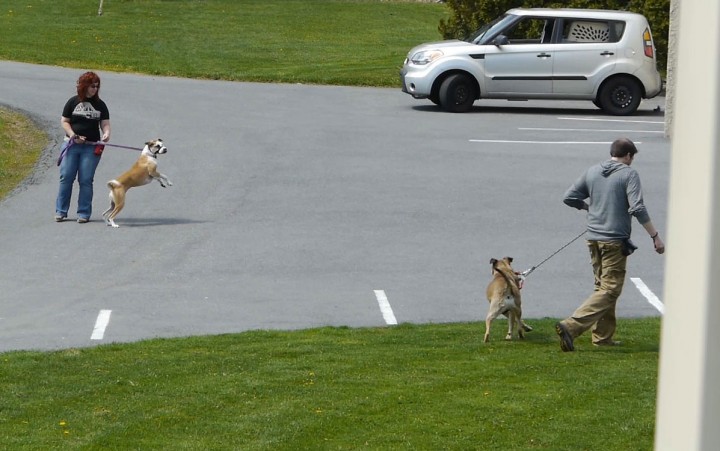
302, 206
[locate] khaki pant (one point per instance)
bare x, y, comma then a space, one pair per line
598, 310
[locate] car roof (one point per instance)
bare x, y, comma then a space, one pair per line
573, 12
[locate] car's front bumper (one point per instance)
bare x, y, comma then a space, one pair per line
416, 82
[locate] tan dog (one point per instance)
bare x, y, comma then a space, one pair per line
141, 173
503, 293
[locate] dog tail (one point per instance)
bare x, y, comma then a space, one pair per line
512, 280
113, 184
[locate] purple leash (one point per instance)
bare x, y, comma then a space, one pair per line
70, 143
100, 143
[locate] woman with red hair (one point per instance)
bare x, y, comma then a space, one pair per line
85, 119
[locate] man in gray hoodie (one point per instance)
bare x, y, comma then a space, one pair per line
615, 196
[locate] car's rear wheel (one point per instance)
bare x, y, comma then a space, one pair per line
620, 96
457, 93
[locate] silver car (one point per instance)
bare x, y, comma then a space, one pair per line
607, 57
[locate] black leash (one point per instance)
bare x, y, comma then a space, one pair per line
527, 272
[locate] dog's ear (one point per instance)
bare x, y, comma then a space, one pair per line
493, 261
509, 259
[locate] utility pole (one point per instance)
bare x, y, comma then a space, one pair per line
688, 407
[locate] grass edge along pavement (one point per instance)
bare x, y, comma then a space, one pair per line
434, 386
21, 144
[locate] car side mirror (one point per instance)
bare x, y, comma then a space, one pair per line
501, 39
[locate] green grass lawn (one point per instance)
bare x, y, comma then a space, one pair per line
341, 42
20, 145
414, 387
411, 387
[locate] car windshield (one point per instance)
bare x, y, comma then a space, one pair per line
488, 31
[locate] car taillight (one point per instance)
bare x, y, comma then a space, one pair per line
647, 43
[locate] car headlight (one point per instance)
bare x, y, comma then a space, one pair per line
426, 56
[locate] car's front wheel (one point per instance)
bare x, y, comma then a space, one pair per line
620, 96
457, 93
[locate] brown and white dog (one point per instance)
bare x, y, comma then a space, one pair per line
141, 173
503, 293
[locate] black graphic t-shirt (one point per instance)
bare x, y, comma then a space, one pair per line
85, 116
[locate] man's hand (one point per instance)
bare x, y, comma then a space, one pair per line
659, 245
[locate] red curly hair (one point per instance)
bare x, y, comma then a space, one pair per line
84, 82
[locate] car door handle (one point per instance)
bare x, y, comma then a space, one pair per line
544, 55
606, 53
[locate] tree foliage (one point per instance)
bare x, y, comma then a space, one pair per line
468, 15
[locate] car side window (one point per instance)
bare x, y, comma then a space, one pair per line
591, 31
530, 30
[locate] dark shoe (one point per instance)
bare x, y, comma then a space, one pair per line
608, 343
566, 341
82, 220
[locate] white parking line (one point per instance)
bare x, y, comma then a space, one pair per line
588, 130
385, 308
608, 120
506, 141
649, 295
100, 324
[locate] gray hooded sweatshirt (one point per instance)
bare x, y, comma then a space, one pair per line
615, 196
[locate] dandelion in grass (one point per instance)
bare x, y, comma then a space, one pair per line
311, 378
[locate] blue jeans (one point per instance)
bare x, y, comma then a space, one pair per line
79, 161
